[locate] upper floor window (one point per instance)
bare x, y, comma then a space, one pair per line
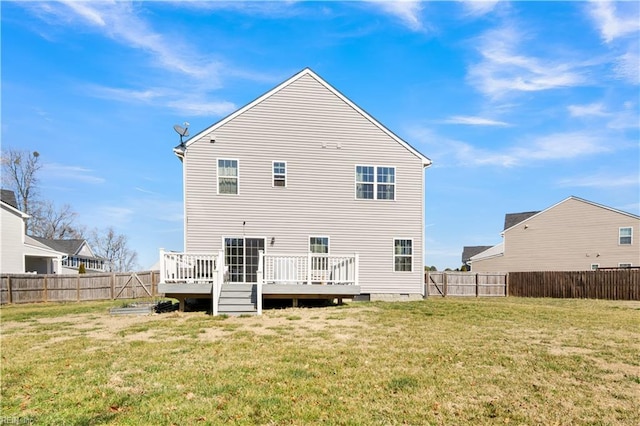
279, 173
402, 255
375, 183
227, 176
625, 235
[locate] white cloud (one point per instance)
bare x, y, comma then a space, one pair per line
55, 171
627, 65
503, 69
407, 11
601, 181
594, 109
474, 121
553, 147
478, 8
187, 104
615, 19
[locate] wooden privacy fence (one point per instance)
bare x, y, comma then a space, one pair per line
32, 288
454, 283
620, 284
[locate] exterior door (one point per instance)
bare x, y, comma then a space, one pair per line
242, 257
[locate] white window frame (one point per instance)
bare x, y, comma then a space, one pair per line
218, 177
273, 174
395, 255
375, 182
595, 266
620, 236
320, 236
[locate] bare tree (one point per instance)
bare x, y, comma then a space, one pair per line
19, 173
115, 249
48, 221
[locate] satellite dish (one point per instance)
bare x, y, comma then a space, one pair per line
182, 131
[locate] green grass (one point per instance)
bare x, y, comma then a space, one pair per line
438, 361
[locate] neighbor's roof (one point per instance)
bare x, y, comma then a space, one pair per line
69, 247
512, 219
9, 197
582, 200
40, 248
470, 251
426, 162
497, 250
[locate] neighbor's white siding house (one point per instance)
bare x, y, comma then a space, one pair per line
12, 239
573, 235
304, 169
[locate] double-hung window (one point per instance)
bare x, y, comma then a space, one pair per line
228, 176
625, 236
402, 255
375, 183
279, 173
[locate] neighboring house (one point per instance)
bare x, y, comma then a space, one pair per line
469, 251
573, 235
76, 252
20, 253
310, 179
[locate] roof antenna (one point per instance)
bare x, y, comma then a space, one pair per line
182, 131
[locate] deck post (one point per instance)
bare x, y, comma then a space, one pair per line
260, 277
162, 266
356, 276
308, 269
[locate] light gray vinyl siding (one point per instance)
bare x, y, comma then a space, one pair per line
293, 125
12, 244
570, 236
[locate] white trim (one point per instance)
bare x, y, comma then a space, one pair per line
620, 235
218, 175
15, 211
375, 182
319, 236
393, 266
273, 174
244, 254
426, 162
595, 266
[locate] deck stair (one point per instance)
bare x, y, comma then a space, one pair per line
237, 299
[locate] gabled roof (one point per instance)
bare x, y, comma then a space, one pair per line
576, 199
179, 150
34, 247
469, 251
8, 201
69, 247
495, 251
9, 197
512, 219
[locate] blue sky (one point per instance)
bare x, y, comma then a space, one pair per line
518, 104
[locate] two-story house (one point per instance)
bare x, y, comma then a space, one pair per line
573, 235
305, 176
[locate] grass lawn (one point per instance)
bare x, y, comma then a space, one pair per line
438, 361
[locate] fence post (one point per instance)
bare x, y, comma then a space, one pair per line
78, 289
45, 290
506, 284
9, 295
113, 285
444, 284
477, 284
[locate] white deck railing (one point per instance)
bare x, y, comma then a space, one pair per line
309, 269
189, 267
